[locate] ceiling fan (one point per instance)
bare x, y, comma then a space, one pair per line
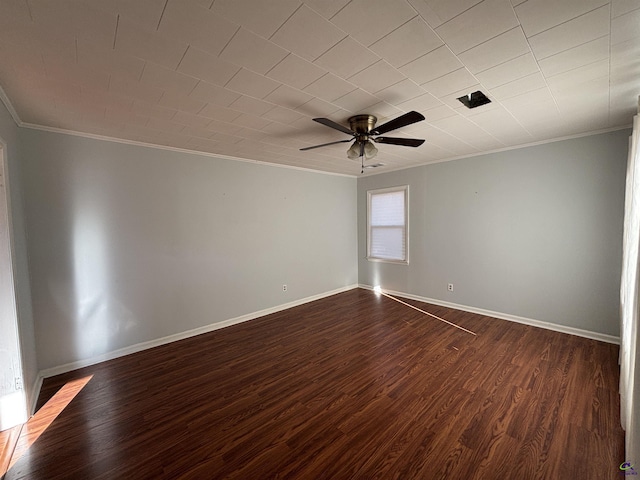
364, 132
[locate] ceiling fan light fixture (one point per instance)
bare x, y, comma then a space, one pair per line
354, 151
370, 150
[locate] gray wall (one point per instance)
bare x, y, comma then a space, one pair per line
130, 244
9, 135
534, 232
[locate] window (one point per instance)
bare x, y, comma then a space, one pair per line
387, 224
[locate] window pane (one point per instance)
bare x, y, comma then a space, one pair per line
387, 208
388, 243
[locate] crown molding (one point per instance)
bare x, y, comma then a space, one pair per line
12, 111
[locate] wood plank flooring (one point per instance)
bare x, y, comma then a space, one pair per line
353, 386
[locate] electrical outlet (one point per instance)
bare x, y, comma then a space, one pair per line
450, 287
284, 288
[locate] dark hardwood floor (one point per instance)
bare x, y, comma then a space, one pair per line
354, 386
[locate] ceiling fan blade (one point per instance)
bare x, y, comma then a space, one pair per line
332, 124
405, 142
325, 144
402, 121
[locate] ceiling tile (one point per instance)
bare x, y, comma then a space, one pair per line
251, 121
109, 61
288, 97
368, 21
250, 14
400, 92
625, 27
448, 142
575, 32
384, 111
16, 25
134, 89
572, 80
420, 103
327, 8
296, 72
125, 117
253, 52
183, 103
81, 20
432, 65
480, 23
468, 132
252, 84
437, 113
356, 101
284, 115
500, 49
437, 12
572, 100
152, 110
538, 15
625, 54
75, 74
408, 42
188, 22
308, 34
146, 13
200, 64
539, 96
191, 120
508, 71
252, 106
221, 114
576, 57
209, 93
106, 99
537, 116
502, 125
317, 108
620, 7
148, 45
164, 125
224, 127
376, 77
451, 82
168, 80
519, 86
329, 87
347, 58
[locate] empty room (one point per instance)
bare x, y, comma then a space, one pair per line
312, 239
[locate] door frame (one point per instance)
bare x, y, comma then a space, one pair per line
17, 404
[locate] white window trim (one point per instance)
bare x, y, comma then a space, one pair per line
370, 193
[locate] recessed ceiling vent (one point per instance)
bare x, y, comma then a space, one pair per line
474, 99
374, 165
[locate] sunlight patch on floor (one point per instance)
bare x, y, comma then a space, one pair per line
44, 417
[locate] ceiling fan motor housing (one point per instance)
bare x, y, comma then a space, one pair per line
362, 124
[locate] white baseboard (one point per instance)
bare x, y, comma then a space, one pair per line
50, 372
602, 337
35, 393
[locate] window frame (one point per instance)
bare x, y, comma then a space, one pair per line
370, 194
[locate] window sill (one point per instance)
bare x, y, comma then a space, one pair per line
387, 260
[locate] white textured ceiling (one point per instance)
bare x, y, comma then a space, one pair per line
244, 78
